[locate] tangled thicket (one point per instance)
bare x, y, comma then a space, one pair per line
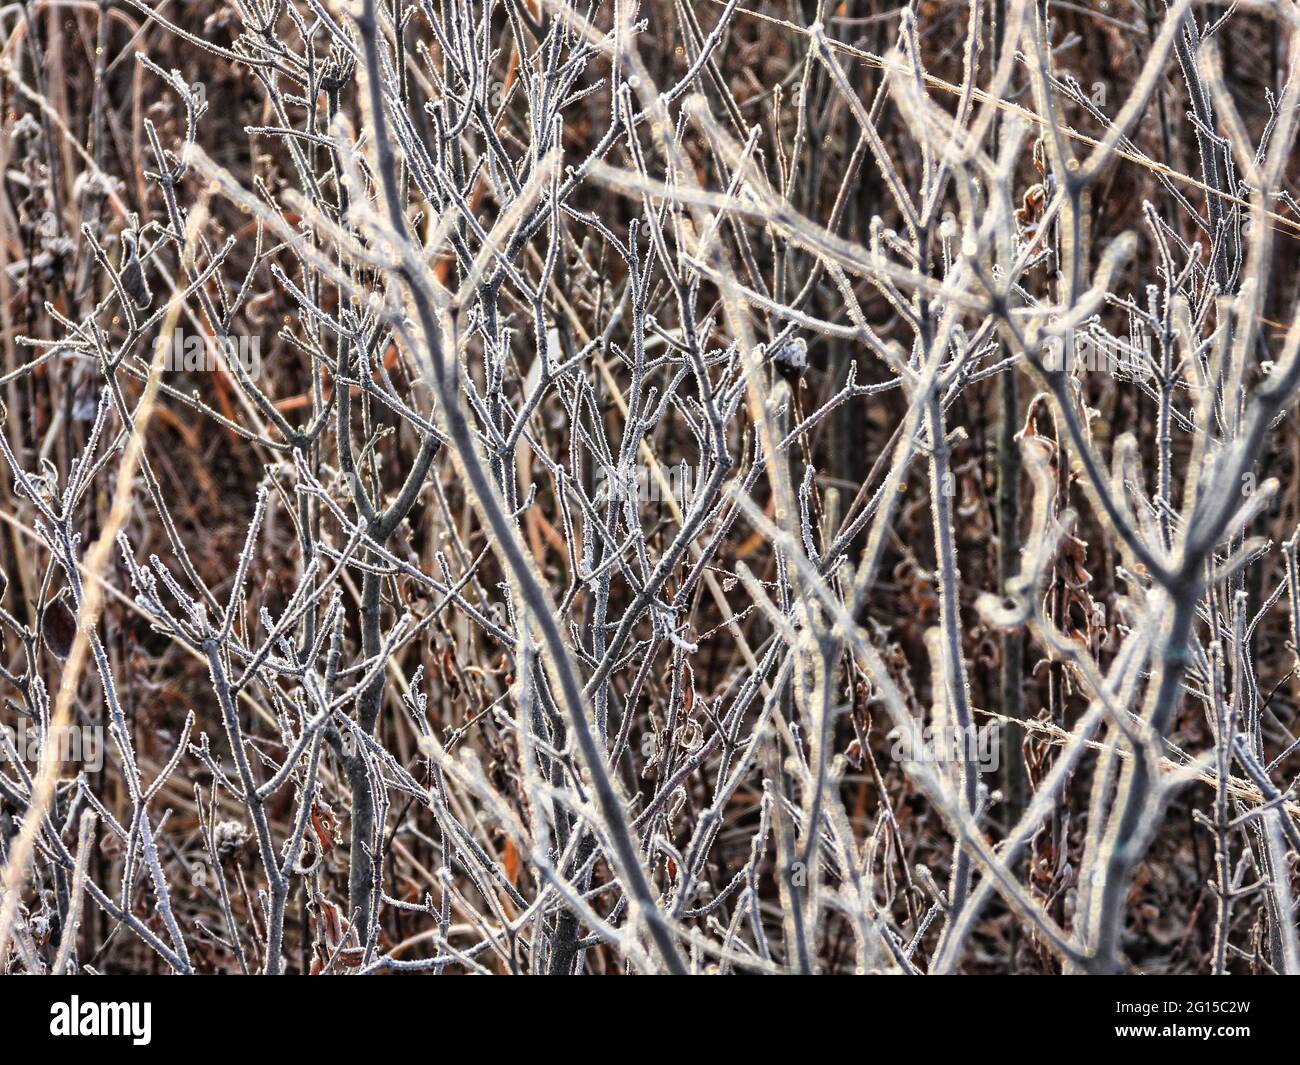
670, 420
